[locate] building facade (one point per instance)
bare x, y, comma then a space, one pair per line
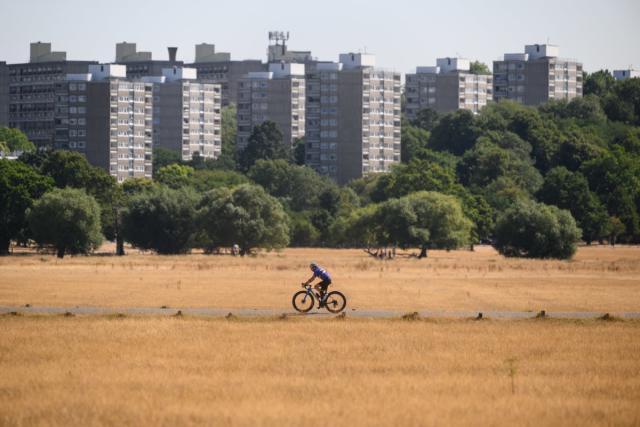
277, 95
32, 92
187, 114
447, 87
537, 76
626, 74
352, 118
4, 94
107, 118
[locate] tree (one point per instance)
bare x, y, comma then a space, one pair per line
599, 83
298, 187
228, 156
299, 152
265, 143
68, 220
14, 140
454, 133
161, 219
164, 157
536, 230
246, 216
203, 180
477, 67
424, 219
615, 227
570, 190
413, 141
174, 176
20, 186
426, 119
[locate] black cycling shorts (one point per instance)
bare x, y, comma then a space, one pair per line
324, 284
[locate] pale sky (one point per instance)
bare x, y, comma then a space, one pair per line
402, 33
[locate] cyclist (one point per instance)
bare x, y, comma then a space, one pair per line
321, 286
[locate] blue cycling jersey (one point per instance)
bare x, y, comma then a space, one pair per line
322, 274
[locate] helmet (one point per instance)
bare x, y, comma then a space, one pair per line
313, 265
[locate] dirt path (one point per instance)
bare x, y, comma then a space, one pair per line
218, 312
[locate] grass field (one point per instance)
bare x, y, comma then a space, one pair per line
599, 278
296, 372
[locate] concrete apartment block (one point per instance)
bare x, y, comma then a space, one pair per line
32, 92
187, 113
537, 76
353, 118
626, 74
4, 94
107, 118
447, 87
277, 95
217, 67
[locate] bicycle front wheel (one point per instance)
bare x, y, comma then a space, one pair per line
302, 301
335, 302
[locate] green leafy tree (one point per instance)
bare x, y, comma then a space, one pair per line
599, 83
536, 230
424, 219
570, 190
265, 143
298, 187
228, 155
302, 231
203, 180
20, 186
414, 141
246, 216
161, 219
299, 152
14, 140
426, 119
615, 178
455, 133
615, 228
68, 220
174, 175
477, 67
164, 157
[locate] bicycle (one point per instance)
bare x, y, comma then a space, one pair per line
304, 301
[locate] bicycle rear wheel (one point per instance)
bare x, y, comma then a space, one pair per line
335, 302
302, 301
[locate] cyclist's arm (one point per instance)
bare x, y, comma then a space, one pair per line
313, 276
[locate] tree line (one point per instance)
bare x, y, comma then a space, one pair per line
531, 181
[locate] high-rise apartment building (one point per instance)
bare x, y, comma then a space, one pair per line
217, 67
141, 64
352, 118
107, 118
537, 76
32, 92
277, 95
448, 86
4, 94
186, 113
626, 74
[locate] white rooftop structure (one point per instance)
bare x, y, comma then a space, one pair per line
357, 60
453, 64
107, 71
286, 70
626, 74
260, 75
516, 56
536, 51
179, 73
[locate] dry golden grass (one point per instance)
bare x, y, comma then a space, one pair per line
599, 278
182, 371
